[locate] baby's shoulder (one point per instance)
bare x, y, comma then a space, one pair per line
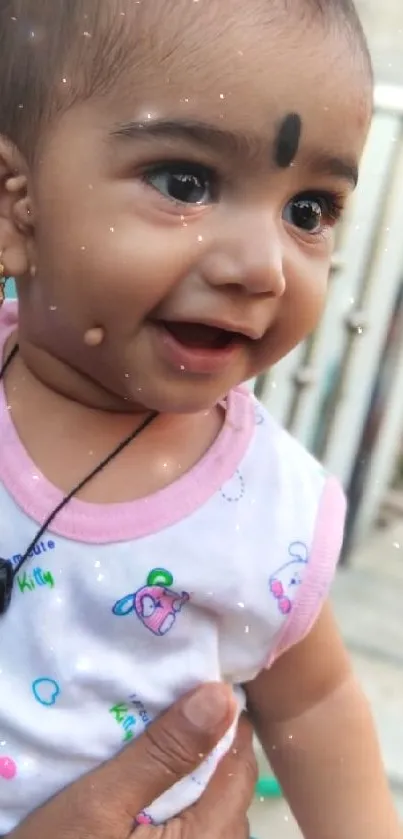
8, 318
282, 464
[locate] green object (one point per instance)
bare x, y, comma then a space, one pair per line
268, 787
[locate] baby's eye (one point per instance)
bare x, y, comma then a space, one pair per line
312, 213
184, 183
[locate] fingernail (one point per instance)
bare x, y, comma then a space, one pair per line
208, 706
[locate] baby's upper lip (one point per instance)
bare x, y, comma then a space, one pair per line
245, 329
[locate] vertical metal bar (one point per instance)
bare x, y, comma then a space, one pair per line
356, 321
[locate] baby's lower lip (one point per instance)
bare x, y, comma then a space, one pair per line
187, 358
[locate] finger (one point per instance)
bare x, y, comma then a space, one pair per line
222, 809
171, 747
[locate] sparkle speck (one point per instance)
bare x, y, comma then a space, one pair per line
396, 545
112, 229
241, 605
222, 96
200, 238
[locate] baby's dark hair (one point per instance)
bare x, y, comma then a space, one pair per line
56, 52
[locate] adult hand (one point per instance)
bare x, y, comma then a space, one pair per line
105, 803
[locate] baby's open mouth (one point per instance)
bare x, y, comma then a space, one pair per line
202, 336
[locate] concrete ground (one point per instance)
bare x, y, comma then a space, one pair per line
368, 603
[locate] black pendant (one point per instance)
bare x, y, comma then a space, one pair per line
6, 585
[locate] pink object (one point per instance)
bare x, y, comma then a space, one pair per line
100, 524
324, 555
157, 607
285, 605
143, 818
8, 769
277, 588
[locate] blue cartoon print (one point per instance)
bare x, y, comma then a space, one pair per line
46, 691
156, 604
285, 581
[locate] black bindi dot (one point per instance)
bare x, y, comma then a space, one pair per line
286, 144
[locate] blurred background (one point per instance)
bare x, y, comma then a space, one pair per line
341, 394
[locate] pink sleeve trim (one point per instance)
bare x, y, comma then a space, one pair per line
326, 546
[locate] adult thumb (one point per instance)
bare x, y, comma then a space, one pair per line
171, 748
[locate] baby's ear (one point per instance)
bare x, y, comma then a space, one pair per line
16, 216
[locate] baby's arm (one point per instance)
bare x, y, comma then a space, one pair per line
317, 731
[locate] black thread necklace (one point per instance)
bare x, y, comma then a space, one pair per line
8, 571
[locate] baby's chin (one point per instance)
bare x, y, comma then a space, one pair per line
186, 398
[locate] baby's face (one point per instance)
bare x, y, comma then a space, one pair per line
203, 191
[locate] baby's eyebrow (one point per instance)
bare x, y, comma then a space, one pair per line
235, 143
194, 131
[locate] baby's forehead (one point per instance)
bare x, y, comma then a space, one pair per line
254, 86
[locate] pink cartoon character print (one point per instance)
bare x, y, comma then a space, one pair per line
156, 604
285, 581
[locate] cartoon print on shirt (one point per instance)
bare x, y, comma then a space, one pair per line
156, 604
285, 581
8, 768
143, 818
46, 691
234, 489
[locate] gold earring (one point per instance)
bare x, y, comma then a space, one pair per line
2, 280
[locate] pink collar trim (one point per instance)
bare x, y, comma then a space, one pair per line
102, 524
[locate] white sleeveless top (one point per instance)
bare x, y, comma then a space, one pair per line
122, 608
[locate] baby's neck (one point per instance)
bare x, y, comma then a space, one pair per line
71, 384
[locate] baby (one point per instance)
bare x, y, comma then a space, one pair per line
171, 172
